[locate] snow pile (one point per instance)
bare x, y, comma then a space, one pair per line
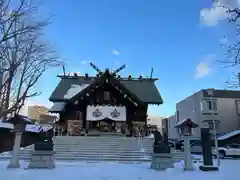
150, 136
6, 154
113, 171
74, 90
229, 135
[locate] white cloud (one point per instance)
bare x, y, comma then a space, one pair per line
211, 16
217, 12
115, 52
204, 67
85, 62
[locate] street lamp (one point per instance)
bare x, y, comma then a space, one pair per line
210, 94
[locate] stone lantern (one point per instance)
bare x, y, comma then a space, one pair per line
186, 127
19, 123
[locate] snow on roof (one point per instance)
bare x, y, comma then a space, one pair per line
57, 106
181, 122
194, 125
37, 128
27, 119
74, 90
228, 135
6, 125
28, 128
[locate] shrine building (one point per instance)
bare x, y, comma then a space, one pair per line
106, 103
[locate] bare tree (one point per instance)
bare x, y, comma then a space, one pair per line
24, 55
231, 44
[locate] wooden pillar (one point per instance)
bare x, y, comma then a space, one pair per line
84, 118
145, 127
115, 126
130, 126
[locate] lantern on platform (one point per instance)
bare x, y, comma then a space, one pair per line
186, 126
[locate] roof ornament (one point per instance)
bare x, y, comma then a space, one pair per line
151, 73
95, 68
114, 72
119, 69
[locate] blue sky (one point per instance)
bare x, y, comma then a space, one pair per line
165, 35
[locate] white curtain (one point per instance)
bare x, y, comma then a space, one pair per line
96, 113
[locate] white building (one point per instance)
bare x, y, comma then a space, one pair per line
155, 120
172, 131
222, 106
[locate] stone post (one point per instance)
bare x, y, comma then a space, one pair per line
14, 163
207, 151
162, 161
188, 166
161, 158
43, 155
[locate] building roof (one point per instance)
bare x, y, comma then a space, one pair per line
229, 135
145, 89
57, 107
222, 93
217, 93
186, 121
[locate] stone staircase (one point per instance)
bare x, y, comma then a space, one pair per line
102, 148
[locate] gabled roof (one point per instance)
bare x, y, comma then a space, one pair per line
186, 121
19, 119
229, 135
100, 81
145, 89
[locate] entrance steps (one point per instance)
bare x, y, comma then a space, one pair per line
102, 148
97, 133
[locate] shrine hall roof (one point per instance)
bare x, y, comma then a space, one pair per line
145, 90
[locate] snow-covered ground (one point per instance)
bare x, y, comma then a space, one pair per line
113, 171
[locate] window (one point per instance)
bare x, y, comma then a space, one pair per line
238, 106
106, 95
177, 116
209, 105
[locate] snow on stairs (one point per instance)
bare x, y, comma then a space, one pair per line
102, 148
